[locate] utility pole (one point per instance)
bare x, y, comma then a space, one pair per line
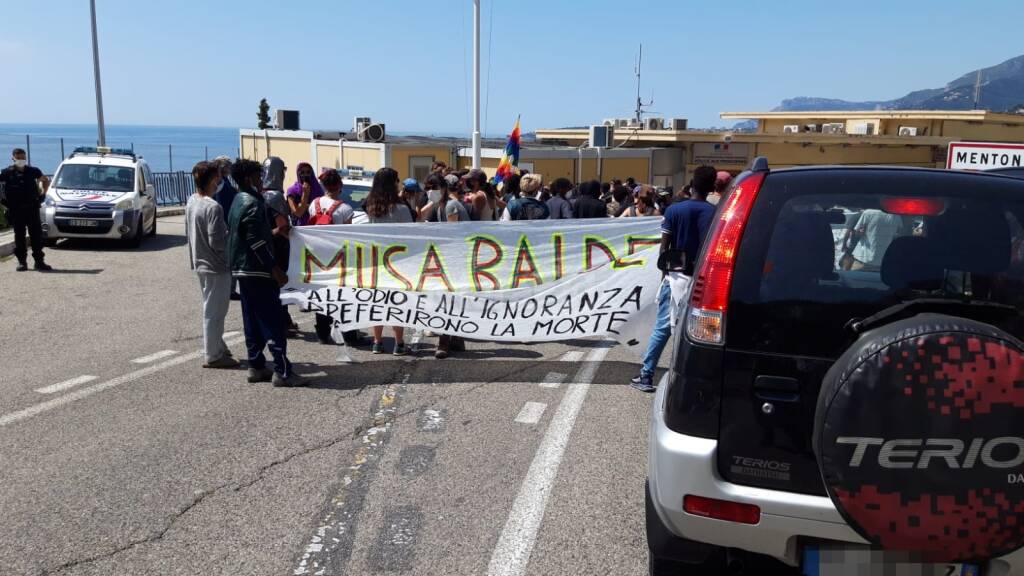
476, 83
96, 75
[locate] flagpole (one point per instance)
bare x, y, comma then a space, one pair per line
96, 77
476, 83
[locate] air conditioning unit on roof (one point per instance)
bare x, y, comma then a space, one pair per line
791, 129
833, 128
610, 122
812, 128
360, 122
622, 122
908, 131
372, 133
601, 136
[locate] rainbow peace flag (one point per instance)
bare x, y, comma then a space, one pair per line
510, 159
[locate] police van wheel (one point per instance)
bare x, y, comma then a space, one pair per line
152, 231
136, 239
917, 426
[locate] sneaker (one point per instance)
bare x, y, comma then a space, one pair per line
378, 348
22, 267
646, 383
635, 379
400, 349
440, 354
43, 267
261, 375
290, 381
222, 362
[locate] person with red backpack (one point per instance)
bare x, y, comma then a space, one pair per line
324, 211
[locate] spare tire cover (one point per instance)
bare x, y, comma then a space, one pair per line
919, 435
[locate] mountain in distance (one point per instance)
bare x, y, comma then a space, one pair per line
1002, 89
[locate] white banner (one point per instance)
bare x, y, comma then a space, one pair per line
510, 281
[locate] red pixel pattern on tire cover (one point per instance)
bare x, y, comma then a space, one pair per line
967, 386
951, 383
939, 525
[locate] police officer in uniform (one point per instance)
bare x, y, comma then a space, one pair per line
24, 187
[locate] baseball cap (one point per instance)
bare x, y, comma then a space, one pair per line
411, 184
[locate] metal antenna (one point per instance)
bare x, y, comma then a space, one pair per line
639, 103
977, 90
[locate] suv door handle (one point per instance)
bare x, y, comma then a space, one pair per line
777, 388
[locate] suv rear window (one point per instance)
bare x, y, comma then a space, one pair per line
823, 248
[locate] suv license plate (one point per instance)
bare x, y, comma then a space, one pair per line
856, 560
84, 223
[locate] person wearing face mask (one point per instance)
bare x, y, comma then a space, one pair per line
558, 207
302, 193
24, 188
278, 213
444, 202
251, 257
207, 236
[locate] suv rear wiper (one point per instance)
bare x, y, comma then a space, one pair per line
858, 326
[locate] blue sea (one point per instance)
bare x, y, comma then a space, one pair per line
166, 148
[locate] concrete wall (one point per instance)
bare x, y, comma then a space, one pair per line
291, 149
964, 130
371, 159
400, 156
797, 155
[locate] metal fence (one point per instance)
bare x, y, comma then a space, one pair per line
173, 188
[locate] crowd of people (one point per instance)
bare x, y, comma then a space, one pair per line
239, 219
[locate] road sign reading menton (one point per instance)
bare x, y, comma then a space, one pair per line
984, 156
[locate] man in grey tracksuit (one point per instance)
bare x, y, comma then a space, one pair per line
207, 234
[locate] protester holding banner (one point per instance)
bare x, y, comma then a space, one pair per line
682, 233
383, 205
259, 278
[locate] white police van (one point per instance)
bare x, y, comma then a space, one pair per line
101, 193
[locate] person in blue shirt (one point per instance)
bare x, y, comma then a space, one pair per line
683, 229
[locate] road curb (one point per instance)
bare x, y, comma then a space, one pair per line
7, 238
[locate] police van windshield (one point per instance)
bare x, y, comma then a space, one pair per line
95, 177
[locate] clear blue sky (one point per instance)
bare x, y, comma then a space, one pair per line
408, 63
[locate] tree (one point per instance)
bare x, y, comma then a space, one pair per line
263, 115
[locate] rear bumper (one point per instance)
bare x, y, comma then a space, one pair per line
679, 465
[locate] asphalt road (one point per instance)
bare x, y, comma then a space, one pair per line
120, 454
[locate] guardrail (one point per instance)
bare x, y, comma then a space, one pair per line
173, 188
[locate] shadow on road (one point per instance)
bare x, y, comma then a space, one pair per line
157, 243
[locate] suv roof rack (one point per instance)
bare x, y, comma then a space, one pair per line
103, 151
759, 164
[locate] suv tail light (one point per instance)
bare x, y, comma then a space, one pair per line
721, 509
709, 298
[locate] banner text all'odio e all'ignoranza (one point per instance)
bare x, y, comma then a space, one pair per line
536, 281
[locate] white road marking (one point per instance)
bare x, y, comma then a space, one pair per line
42, 407
512, 554
531, 413
65, 385
552, 380
571, 356
155, 356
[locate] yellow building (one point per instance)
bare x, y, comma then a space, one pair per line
666, 157
413, 156
891, 137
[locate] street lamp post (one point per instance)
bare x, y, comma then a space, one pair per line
96, 75
476, 83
